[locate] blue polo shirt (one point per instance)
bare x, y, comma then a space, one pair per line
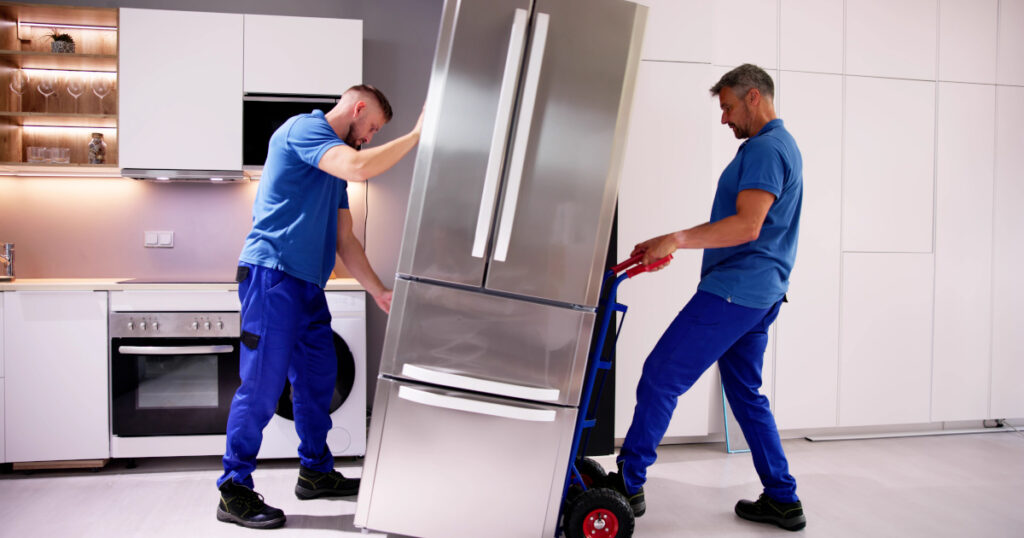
756, 274
295, 214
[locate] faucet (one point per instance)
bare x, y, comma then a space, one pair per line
7, 260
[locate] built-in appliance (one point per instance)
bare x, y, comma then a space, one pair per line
262, 114
6, 261
174, 360
499, 273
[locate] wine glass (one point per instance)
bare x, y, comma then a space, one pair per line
19, 81
101, 86
75, 88
46, 87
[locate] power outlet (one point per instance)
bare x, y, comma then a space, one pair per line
158, 239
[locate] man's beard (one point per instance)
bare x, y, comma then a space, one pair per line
350, 141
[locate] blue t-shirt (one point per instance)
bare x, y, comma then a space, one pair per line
756, 274
295, 214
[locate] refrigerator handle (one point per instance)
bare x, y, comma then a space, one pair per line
501, 123
475, 406
518, 160
466, 382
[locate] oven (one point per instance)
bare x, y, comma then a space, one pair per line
172, 373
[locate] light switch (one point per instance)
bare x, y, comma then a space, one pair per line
151, 239
158, 239
166, 239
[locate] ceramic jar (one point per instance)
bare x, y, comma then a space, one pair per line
97, 149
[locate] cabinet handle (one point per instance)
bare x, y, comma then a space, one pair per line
174, 350
479, 385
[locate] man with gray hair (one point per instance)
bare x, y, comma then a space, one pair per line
749, 249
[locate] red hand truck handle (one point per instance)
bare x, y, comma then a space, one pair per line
634, 267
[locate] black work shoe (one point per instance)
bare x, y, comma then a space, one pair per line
636, 500
313, 484
241, 505
789, 516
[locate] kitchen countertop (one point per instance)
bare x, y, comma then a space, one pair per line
108, 284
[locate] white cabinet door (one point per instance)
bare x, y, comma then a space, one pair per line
1010, 61
180, 79
302, 55
963, 252
678, 31
967, 40
1, 335
667, 185
3, 454
56, 382
811, 35
746, 31
885, 354
891, 39
807, 348
889, 161
1008, 257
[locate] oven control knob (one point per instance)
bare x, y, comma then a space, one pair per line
195, 325
131, 326
155, 326
206, 325
220, 325
142, 325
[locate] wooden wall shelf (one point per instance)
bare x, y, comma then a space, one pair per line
23, 59
62, 120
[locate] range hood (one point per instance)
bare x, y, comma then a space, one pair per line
212, 176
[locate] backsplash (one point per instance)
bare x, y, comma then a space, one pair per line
94, 228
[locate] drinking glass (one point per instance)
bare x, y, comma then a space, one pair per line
75, 88
19, 81
101, 86
46, 87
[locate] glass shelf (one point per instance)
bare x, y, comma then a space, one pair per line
55, 60
62, 119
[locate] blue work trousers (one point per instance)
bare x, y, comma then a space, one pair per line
286, 333
709, 329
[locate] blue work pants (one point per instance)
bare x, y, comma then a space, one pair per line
286, 333
709, 329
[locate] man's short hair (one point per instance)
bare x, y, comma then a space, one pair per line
743, 78
366, 89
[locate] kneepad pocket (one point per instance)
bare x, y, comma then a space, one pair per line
251, 340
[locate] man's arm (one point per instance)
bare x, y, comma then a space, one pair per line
354, 257
351, 164
752, 207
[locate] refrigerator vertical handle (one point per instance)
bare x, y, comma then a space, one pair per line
515, 175
501, 122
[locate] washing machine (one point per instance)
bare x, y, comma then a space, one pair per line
347, 436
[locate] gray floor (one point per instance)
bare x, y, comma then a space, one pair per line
954, 485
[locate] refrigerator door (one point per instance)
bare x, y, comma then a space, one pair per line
443, 463
566, 150
463, 144
485, 343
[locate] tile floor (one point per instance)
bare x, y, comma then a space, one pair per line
941, 486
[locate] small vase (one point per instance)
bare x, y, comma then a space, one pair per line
62, 46
97, 149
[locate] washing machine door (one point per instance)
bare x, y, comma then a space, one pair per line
342, 386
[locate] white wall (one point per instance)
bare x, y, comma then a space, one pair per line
905, 299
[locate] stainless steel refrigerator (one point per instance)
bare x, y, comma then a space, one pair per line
499, 275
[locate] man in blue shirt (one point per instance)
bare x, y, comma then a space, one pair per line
300, 219
750, 246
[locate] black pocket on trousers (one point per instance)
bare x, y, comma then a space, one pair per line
250, 340
241, 273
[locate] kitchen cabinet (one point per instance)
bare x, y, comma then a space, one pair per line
963, 252
301, 55
678, 31
811, 35
52, 102
667, 184
967, 40
181, 90
891, 39
807, 347
885, 353
1010, 59
745, 31
888, 159
55, 345
1008, 258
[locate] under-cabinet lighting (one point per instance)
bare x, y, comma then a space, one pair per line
163, 178
68, 71
75, 26
216, 179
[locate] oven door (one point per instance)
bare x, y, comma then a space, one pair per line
172, 386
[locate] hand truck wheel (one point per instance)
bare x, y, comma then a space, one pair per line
591, 472
599, 513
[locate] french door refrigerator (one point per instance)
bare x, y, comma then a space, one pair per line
499, 274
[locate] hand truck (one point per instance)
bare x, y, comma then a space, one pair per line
589, 509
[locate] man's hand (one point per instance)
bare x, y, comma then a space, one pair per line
383, 300
655, 249
419, 122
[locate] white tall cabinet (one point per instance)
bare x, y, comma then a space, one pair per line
180, 79
55, 350
3, 457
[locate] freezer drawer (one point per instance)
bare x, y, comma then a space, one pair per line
474, 341
448, 464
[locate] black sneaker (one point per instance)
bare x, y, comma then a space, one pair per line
636, 500
313, 484
789, 516
241, 505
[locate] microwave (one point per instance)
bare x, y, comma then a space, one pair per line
262, 114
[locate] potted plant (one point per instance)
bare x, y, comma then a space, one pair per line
61, 42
